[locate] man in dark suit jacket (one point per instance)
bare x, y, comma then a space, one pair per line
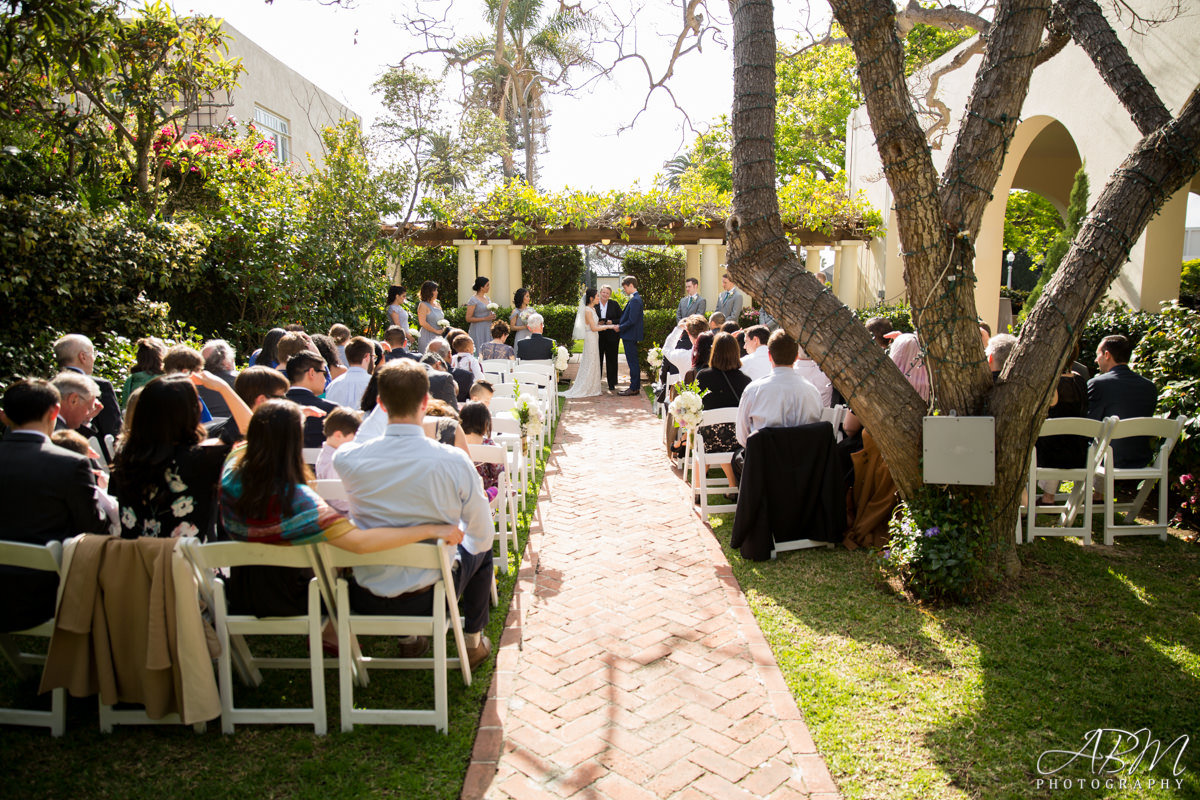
1119, 391
442, 385
76, 352
47, 493
537, 347
306, 373
632, 332
608, 313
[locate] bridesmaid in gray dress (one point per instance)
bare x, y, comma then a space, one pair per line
520, 304
479, 318
429, 313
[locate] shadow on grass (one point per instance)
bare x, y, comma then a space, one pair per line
911, 701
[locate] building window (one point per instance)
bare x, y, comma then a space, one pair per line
276, 129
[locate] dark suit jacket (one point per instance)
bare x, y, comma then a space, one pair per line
215, 402
1123, 393
536, 348
46, 492
314, 427
463, 379
108, 421
612, 317
632, 319
442, 386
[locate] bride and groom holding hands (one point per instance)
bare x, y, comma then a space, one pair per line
601, 323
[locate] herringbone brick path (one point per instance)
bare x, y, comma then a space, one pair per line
631, 666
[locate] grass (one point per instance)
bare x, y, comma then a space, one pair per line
262, 761
908, 701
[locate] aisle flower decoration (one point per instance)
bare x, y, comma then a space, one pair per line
655, 357
688, 406
527, 413
561, 358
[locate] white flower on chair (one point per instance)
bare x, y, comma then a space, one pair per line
688, 409
561, 358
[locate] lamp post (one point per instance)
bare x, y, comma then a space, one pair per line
1010, 258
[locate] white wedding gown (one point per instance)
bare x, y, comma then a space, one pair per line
587, 381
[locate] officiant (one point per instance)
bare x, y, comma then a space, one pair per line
608, 313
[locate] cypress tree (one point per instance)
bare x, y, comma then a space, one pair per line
1076, 211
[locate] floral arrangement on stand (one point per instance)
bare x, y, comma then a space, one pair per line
530, 417
655, 357
688, 406
561, 358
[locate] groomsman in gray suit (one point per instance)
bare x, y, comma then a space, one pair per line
692, 302
729, 302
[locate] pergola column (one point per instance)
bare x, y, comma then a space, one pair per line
500, 268
710, 285
484, 270
812, 259
466, 268
692, 266
515, 281
847, 272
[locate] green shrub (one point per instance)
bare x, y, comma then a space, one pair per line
659, 271
936, 548
1113, 318
552, 274
437, 264
1189, 283
899, 314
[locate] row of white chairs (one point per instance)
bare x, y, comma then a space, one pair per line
211, 561
1099, 472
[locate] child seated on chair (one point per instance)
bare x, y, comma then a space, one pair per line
476, 423
464, 357
482, 391
340, 426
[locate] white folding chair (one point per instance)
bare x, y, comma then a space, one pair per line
506, 502
500, 404
834, 417
505, 390
219, 555
330, 489
311, 454
45, 558
94, 443
445, 619
1157, 471
506, 432
500, 367
546, 386
1066, 506
702, 458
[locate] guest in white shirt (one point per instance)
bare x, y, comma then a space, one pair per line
347, 390
408, 479
783, 399
340, 426
812, 373
681, 357
755, 364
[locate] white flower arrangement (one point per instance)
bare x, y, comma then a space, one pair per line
655, 357
443, 323
528, 415
523, 317
687, 409
561, 357
492, 306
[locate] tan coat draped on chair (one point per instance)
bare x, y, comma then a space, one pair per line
874, 498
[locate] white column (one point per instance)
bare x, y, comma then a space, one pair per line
466, 268
499, 268
692, 269
710, 272
812, 259
848, 287
515, 280
485, 267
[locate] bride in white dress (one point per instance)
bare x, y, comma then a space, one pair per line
587, 380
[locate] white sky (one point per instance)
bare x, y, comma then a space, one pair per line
585, 151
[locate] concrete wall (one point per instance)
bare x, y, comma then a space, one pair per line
1068, 116
276, 87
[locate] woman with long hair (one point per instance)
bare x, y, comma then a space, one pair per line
720, 376
397, 314
479, 318
165, 474
267, 355
147, 367
429, 314
265, 497
587, 327
520, 315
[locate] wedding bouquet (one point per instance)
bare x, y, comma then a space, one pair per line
687, 409
527, 413
523, 317
492, 306
443, 323
655, 357
561, 357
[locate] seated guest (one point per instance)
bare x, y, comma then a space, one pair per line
905, 353
218, 360
701, 351
1120, 392
679, 358
476, 423
75, 353
347, 390
47, 493
482, 391
755, 363
397, 339
146, 367
783, 399
1064, 451
497, 348
813, 374
183, 360
462, 378
340, 335
730, 327
985, 332
305, 373
537, 347
291, 344
254, 385
165, 474
442, 424
402, 479
716, 321
267, 355
879, 328
340, 426
464, 359
725, 383
106, 504
79, 404
265, 498
328, 351
998, 349
442, 385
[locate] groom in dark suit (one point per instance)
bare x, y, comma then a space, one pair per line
631, 333
608, 313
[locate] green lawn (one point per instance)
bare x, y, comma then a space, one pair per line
261, 761
906, 701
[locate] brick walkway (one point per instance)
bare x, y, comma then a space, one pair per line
631, 666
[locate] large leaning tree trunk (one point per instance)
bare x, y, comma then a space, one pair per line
938, 219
